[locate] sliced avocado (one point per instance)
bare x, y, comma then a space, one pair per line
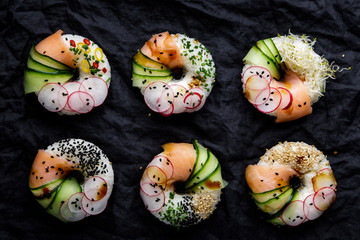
47, 61
265, 196
143, 81
201, 157
141, 70
273, 205
147, 62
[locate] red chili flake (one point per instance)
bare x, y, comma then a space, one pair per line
72, 43
104, 70
95, 65
87, 41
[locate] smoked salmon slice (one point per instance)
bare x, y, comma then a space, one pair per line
262, 178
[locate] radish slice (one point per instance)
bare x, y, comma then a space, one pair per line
74, 202
256, 83
151, 189
168, 112
286, 98
256, 70
95, 188
164, 164
200, 92
93, 207
156, 174
293, 214
262, 97
324, 198
53, 97
251, 95
81, 102
310, 210
72, 87
97, 88
153, 203
69, 215
272, 103
179, 95
192, 100
158, 96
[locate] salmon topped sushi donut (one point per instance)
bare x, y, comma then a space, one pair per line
70, 74
283, 76
292, 183
182, 185
174, 72
72, 179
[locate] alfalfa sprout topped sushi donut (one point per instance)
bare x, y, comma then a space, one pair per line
283, 76
182, 185
72, 179
174, 72
292, 183
70, 74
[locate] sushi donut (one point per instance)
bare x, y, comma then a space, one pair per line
292, 183
182, 185
174, 72
72, 179
283, 76
70, 74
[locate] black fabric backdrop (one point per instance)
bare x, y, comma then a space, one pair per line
228, 124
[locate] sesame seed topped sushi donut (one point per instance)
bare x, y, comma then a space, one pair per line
283, 76
72, 179
70, 74
292, 183
182, 185
174, 72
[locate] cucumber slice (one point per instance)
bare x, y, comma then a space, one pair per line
273, 205
35, 80
66, 189
213, 182
143, 81
270, 44
141, 70
256, 57
45, 201
201, 157
204, 172
276, 221
265, 196
34, 65
46, 60
46, 189
265, 49
147, 62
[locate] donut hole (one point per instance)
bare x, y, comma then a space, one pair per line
179, 187
78, 175
178, 73
76, 75
295, 182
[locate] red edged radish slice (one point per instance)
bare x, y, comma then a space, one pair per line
272, 103
72, 87
200, 92
324, 178
158, 96
81, 102
256, 70
153, 203
164, 164
156, 175
179, 95
93, 207
74, 202
324, 198
262, 97
69, 215
151, 189
97, 88
53, 97
95, 188
293, 214
251, 95
168, 112
310, 211
286, 98
256, 83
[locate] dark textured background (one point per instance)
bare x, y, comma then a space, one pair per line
228, 124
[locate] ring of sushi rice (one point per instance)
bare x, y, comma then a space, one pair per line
283, 76
174, 72
70, 74
292, 183
72, 179
182, 185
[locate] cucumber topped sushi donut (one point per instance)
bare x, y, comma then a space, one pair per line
292, 183
70, 74
174, 72
72, 179
182, 185
283, 76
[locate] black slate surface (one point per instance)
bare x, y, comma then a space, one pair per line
228, 124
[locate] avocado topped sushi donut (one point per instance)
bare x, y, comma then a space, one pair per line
174, 72
292, 183
72, 179
70, 74
182, 185
283, 76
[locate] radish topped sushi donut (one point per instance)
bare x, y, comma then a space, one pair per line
174, 72
70, 74
283, 76
72, 179
292, 183
182, 185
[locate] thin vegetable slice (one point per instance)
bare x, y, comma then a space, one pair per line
95, 188
153, 203
164, 164
53, 97
81, 102
256, 70
199, 103
324, 198
151, 188
97, 88
93, 207
272, 103
179, 95
286, 98
293, 214
69, 215
158, 96
310, 211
